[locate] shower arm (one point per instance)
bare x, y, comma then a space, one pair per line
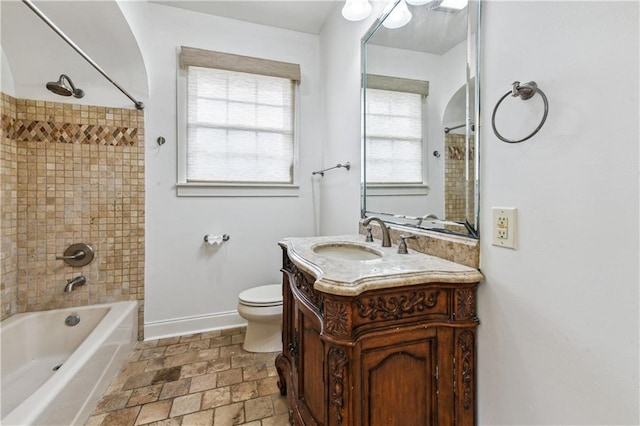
138, 104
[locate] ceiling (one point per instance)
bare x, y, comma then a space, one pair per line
430, 30
301, 15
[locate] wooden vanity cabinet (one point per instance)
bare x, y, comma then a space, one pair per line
401, 356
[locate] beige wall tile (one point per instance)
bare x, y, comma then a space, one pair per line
455, 191
81, 179
8, 209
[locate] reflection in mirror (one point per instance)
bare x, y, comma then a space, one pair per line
419, 102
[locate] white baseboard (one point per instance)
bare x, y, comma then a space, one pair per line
190, 325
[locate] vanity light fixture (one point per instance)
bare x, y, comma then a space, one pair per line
356, 10
399, 16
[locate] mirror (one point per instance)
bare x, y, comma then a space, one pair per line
420, 102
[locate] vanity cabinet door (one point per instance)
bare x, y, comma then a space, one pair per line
305, 349
310, 381
289, 340
399, 379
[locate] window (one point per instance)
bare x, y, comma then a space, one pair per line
237, 125
394, 137
394, 131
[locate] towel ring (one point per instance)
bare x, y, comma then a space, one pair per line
526, 91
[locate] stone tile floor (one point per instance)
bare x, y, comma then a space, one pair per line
199, 379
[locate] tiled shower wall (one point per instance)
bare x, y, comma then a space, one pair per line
456, 191
9, 212
70, 174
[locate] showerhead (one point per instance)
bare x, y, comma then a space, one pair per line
64, 87
59, 89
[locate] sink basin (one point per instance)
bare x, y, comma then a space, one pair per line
347, 251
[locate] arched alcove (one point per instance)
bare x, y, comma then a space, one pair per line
37, 55
459, 155
455, 112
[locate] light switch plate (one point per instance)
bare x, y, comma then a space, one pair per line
504, 227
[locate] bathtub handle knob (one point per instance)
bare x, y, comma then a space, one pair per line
77, 255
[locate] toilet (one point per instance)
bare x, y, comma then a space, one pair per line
262, 308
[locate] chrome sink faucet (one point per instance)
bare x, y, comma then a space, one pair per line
386, 240
76, 282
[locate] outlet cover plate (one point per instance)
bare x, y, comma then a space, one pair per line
504, 227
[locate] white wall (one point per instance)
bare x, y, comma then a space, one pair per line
7, 83
190, 285
37, 55
558, 342
340, 58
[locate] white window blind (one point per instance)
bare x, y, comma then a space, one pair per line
394, 137
240, 127
236, 125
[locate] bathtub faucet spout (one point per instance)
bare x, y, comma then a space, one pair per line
75, 282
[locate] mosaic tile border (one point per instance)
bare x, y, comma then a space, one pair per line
46, 131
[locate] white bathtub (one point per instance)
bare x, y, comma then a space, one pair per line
92, 352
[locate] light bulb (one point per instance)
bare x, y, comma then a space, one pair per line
399, 16
417, 2
356, 10
454, 4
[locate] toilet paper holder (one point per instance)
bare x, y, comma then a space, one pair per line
210, 237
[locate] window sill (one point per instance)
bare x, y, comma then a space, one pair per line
379, 190
203, 189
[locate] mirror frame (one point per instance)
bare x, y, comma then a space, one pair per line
473, 48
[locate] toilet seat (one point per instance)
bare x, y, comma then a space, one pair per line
263, 296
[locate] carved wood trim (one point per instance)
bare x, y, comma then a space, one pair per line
466, 343
305, 285
466, 306
397, 306
286, 262
280, 368
337, 317
337, 365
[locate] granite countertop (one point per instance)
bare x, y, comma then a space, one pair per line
352, 277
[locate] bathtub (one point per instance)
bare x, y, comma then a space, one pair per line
54, 374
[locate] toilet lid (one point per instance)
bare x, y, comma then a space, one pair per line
266, 295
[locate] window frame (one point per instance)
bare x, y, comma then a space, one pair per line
185, 188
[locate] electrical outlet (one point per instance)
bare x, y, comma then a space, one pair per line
504, 227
